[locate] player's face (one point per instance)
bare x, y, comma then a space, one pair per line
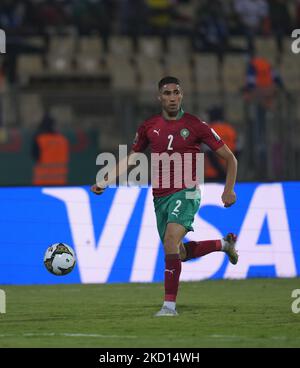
170, 96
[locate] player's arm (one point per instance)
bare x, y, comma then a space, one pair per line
228, 196
115, 172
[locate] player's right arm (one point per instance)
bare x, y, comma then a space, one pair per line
228, 196
211, 138
139, 144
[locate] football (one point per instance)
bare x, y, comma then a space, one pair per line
59, 259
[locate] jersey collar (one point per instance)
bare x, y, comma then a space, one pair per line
178, 116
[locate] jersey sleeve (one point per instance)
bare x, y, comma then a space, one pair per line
141, 141
210, 137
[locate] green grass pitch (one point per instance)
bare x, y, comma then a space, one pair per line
225, 313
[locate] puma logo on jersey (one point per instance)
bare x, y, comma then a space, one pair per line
156, 131
171, 271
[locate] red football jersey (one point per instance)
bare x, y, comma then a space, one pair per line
184, 135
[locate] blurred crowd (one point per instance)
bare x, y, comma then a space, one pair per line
210, 26
211, 21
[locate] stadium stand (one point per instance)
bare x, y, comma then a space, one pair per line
89, 55
59, 51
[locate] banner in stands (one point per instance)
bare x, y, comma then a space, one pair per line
115, 238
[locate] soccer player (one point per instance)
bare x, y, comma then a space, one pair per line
177, 131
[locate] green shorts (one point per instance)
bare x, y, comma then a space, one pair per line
180, 207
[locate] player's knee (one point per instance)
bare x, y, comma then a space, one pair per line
171, 244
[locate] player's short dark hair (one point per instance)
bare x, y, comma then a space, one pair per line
168, 80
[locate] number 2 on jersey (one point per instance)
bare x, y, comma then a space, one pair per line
170, 137
176, 209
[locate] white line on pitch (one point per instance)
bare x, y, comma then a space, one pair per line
51, 334
229, 337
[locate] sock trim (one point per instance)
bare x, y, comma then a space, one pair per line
170, 298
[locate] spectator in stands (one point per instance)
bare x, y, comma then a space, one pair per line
211, 33
280, 23
160, 15
262, 80
133, 17
11, 15
51, 14
251, 15
50, 151
262, 85
297, 10
94, 16
214, 167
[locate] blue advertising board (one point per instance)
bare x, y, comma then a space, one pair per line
115, 238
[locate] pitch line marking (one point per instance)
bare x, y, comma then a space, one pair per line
52, 334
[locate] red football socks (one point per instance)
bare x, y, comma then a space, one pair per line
173, 264
201, 248
172, 274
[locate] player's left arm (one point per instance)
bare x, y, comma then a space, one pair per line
228, 196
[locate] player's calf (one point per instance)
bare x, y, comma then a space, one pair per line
195, 249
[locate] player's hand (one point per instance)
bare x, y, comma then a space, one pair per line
97, 190
228, 198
